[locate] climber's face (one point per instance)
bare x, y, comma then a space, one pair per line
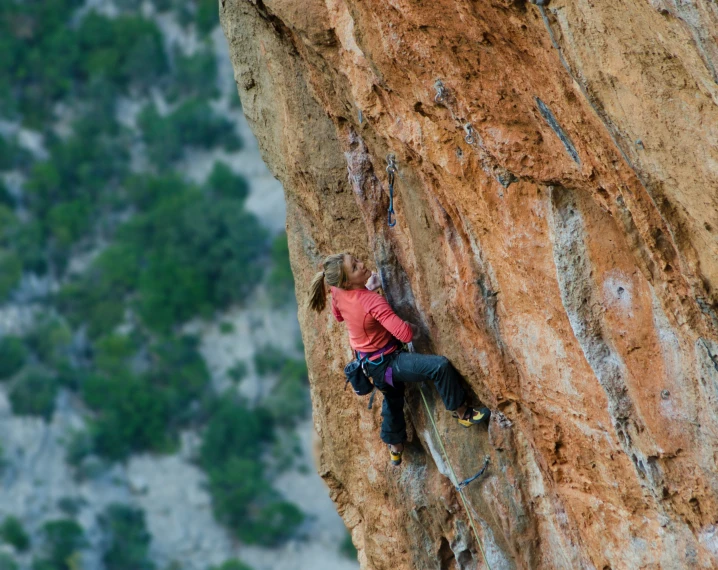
357, 273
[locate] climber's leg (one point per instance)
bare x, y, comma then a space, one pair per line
412, 367
393, 425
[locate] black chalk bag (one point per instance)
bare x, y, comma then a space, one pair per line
356, 377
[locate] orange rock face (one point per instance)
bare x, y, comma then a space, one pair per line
557, 207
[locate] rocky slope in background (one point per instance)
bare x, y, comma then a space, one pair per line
564, 258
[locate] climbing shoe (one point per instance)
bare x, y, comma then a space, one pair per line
395, 456
475, 416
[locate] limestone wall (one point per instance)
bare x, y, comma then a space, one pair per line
564, 260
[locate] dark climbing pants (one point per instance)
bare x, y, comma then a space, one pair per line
412, 367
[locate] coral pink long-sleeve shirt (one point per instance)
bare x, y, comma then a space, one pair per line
370, 320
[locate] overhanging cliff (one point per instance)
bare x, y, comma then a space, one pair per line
557, 206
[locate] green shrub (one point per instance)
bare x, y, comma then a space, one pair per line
161, 137
39, 55
280, 282
147, 191
34, 395
194, 75
81, 169
223, 183
50, 340
269, 359
164, 5
10, 272
63, 540
7, 563
347, 548
12, 356
126, 50
133, 415
241, 497
179, 370
12, 155
201, 127
13, 533
276, 522
171, 292
6, 199
232, 564
9, 224
234, 487
129, 540
234, 431
290, 397
71, 506
207, 16
239, 371
192, 124
112, 353
243, 500
98, 297
196, 255
68, 221
80, 446
28, 241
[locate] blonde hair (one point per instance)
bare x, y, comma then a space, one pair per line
334, 274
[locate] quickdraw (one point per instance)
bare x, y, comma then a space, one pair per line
465, 482
391, 171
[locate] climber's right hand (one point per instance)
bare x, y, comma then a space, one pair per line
373, 282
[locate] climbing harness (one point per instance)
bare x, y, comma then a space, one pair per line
391, 171
458, 486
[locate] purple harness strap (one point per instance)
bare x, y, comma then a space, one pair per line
388, 374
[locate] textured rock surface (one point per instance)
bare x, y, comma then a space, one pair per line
565, 262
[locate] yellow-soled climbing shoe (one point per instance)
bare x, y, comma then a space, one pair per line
473, 416
395, 456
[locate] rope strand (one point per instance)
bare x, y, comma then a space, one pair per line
454, 478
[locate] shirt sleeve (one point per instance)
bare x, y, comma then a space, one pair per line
335, 311
379, 308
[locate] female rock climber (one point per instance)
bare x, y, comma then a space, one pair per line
376, 334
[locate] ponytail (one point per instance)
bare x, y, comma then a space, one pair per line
317, 293
335, 276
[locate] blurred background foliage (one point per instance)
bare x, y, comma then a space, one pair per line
100, 207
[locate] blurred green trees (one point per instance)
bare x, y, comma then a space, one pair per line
62, 541
280, 282
44, 60
129, 544
241, 496
12, 532
233, 564
12, 356
159, 250
33, 394
193, 124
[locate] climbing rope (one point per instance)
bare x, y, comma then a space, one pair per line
458, 486
454, 480
391, 171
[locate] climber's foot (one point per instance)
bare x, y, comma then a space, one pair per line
395, 452
474, 416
